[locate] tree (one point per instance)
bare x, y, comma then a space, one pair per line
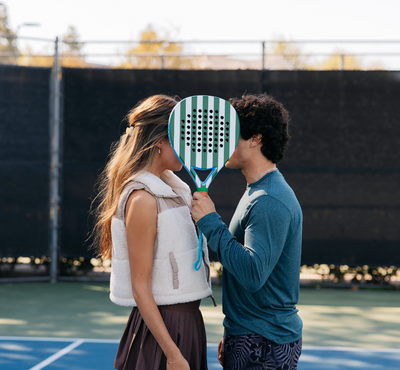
138, 56
291, 53
8, 45
29, 58
339, 60
72, 56
71, 41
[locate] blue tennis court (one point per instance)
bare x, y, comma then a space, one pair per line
18, 353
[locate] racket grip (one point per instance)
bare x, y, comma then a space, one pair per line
200, 252
202, 191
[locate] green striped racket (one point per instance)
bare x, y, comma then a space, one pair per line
204, 132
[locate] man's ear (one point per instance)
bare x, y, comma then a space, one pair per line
255, 140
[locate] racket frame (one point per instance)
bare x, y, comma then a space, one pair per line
188, 122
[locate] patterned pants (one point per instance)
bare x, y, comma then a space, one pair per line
252, 351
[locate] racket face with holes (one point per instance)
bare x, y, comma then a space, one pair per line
204, 132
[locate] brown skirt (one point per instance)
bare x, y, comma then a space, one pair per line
139, 350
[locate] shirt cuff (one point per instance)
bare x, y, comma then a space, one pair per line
209, 222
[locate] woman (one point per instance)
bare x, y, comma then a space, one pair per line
144, 225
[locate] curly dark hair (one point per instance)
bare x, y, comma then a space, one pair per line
262, 114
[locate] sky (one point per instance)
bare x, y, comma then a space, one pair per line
209, 19
221, 20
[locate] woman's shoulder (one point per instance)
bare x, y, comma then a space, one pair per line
134, 190
142, 203
141, 198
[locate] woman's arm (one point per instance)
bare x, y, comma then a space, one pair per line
141, 229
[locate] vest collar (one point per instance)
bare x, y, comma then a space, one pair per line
164, 186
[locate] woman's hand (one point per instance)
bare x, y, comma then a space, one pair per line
181, 364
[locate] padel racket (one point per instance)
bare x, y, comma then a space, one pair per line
204, 132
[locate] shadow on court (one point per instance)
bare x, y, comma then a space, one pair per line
46, 326
80, 354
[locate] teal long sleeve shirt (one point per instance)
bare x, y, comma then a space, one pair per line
260, 254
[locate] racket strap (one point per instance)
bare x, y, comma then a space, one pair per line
200, 252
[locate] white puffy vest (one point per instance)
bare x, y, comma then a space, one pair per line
174, 279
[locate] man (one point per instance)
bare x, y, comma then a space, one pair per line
261, 250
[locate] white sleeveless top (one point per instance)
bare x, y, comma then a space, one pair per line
174, 279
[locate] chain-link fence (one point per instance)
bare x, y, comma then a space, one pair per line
213, 55
336, 106
26, 51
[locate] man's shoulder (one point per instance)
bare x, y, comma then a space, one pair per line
274, 192
278, 189
262, 200
287, 197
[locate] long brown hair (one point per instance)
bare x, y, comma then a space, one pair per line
130, 156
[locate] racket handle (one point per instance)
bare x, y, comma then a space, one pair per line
200, 252
202, 191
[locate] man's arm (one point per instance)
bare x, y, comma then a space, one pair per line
266, 229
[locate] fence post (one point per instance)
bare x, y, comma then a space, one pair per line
55, 165
263, 55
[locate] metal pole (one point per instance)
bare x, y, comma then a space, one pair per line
162, 61
54, 166
342, 62
263, 56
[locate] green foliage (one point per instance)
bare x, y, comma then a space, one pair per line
72, 50
291, 53
78, 266
11, 267
147, 54
70, 53
7, 45
353, 275
71, 41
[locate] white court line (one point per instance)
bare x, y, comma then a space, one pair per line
314, 348
51, 339
39, 339
352, 349
344, 349
57, 355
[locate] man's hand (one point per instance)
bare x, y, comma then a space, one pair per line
201, 206
221, 352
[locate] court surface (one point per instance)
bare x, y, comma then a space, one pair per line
52, 326
90, 354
